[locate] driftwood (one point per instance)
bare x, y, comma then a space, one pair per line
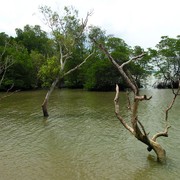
136, 128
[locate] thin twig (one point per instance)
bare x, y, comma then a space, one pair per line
143, 128
132, 59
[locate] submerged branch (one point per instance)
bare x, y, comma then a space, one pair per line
141, 98
128, 101
116, 103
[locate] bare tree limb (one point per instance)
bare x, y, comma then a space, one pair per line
79, 65
128, 101
165, 134
116, 103
84, 22
137, 128
133, 59
141, 98
127, 79
146, 134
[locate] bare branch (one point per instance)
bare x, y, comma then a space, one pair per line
146, 134
165, 133
79, 65
116, 103
129, 102
133, 59
134, 118
84, 23
63, 58
136, 128
141, 98
127, 79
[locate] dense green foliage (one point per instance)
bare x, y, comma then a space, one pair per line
32, 58
166, 58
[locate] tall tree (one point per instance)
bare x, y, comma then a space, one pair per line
66, 31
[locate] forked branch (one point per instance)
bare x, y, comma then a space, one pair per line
137, 128
164, 133
117, 112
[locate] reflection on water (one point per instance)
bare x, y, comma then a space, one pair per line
82, 139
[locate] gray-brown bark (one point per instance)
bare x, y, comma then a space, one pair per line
136, 128
46, 99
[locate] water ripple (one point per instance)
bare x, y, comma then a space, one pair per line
82, 139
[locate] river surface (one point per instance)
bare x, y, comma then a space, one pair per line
82, 139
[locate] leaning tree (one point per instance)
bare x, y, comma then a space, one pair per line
67, 32
136, 128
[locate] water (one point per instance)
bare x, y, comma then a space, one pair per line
82, 139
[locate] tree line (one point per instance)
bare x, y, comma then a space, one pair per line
32, 59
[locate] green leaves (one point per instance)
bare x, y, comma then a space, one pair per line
33, 38
166, 58
49, 71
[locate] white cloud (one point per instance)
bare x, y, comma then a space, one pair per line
138, 22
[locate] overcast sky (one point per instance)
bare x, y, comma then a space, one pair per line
138, 22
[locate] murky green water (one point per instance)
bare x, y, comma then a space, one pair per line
82, 139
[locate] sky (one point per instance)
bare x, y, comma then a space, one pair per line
137, 22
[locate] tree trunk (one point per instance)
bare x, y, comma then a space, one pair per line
160, 152
45, 103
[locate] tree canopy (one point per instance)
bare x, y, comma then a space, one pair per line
166, 59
